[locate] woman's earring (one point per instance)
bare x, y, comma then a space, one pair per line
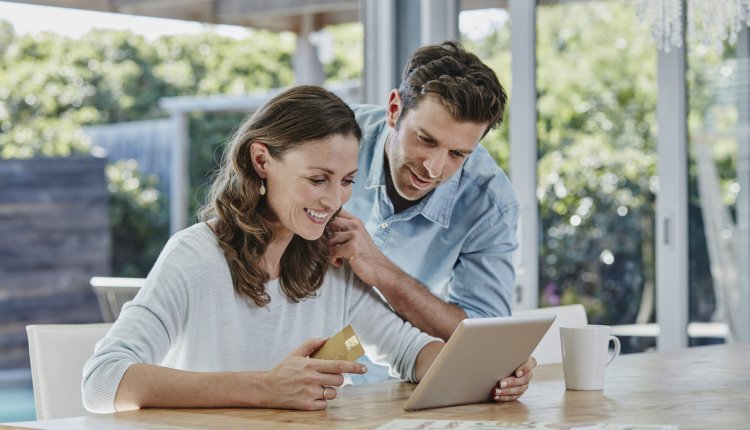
262, 187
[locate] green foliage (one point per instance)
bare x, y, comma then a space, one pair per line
209, 133
41, 136
711, 121
494, 50
597, 164
7, 34
347, 62
140, 223
596, 83
596, 309
104, 77
51, 86
596, 89
207, 63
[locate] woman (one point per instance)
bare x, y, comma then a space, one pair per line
229, 297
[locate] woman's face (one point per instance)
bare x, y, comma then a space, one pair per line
308, 185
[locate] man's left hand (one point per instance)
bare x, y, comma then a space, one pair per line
513, 387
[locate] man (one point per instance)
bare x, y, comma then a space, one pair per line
432, 218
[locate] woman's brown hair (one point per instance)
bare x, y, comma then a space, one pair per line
288, 121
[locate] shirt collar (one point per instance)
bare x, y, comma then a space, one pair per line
376, 178
437, 206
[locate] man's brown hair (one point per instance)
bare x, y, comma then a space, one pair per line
457, 79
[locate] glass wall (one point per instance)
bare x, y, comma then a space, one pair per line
718, 133
596, 83
341, 51
486, 32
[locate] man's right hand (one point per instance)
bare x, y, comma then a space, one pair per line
297, 382
352, 242
411, 300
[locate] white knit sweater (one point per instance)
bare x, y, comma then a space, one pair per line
188, 317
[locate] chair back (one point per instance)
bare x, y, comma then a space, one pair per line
58, 353
113, 293
549, 349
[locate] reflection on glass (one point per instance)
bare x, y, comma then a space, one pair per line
596, 79
718, 95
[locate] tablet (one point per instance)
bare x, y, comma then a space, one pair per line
480, 352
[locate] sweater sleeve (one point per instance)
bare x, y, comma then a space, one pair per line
385, 336
143, 333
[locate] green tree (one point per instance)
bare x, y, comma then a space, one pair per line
347, 60
596, 118
494, 50
52, 86
597, 87
596, 83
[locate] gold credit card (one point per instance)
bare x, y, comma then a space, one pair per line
344, 345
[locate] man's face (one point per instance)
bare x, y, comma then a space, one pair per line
428, 147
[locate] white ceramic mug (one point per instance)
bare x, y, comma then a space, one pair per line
585, 349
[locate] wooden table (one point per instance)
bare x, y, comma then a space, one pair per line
697, 388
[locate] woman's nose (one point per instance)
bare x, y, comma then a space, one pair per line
332, 199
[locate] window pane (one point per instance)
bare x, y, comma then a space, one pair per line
596, 79
341, 51
486, 32
718, 124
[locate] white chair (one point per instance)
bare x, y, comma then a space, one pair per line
549, 349
58, 353
112, 293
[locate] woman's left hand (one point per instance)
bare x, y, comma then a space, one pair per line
513, 387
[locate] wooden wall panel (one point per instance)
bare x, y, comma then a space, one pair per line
54, 236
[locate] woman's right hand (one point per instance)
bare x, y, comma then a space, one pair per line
297, 382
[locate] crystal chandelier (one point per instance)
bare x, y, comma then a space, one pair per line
709, 22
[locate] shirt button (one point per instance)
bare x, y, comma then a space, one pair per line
384, 225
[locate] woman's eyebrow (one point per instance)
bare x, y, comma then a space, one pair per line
326, 170
331, 172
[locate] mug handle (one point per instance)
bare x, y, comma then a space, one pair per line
616, 352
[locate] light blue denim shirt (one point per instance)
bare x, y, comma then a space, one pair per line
458, 241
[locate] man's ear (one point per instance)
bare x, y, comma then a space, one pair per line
260, 157
394, 108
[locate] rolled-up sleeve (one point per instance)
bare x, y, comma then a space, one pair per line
143, 333
483, 277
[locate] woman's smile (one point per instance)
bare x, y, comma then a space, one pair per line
318, 217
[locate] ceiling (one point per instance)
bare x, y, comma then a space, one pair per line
275, 15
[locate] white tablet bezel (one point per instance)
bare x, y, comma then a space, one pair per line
480, 352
